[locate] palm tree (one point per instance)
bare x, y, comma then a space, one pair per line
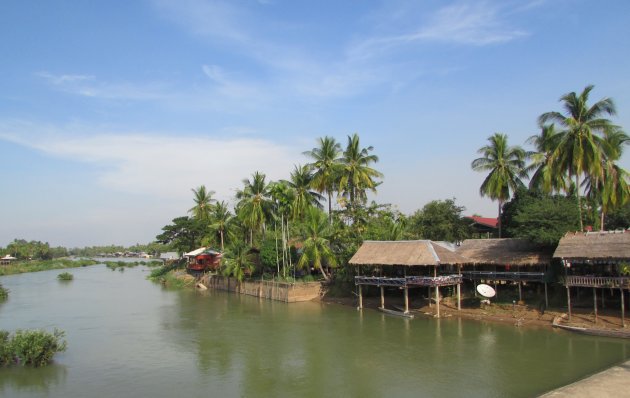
300, 182
545, 178
356, 174
578, 152
326, 168
316, 248
254, 206
238, 261
506, 165
221, 217
203, 203
283, 198
610, 188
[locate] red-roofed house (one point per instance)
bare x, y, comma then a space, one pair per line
485, 227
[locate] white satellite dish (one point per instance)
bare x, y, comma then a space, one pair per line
486, 290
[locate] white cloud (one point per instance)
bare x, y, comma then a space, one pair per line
162, 166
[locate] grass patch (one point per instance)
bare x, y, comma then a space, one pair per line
30, 347
65, 276
20, 267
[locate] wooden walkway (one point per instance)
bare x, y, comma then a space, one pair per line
613, 382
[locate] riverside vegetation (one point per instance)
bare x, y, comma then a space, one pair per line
30, 347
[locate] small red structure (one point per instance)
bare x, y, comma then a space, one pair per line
203, 260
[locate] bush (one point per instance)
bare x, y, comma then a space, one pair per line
4, 292
30, 347
65, 276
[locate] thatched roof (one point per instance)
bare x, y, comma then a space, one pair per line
504, 251
594, 246
406, 252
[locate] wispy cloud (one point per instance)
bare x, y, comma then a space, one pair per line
163, 166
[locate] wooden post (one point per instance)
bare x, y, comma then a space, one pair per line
437, 300
429, 296
382, 297
623, 310
569, 300
520, 292
406, 300
546, 297
360, 298
595, 303
459, 296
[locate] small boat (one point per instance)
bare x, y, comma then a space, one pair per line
396, 313
591, 331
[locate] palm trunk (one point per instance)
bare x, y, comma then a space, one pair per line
602, 219
221, 233
579, 202
275, 232
321, 269
329, 208
499, 219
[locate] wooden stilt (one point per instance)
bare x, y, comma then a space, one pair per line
623, 310
546, 297
437, 300
569, 301
595, 303
520, 291
382, 297
360, 297
459, 293
406, 299
429, 296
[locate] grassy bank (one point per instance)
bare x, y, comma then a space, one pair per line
20, 267
172, 275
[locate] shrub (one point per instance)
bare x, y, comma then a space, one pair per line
4, 292
30, 347
65, 276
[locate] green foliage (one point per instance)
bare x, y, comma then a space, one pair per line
19, 267
542, 219
65, 276
36, 250
157, 274
30, 347
439, 220
238, 261
4, 292
619, 218
121, 265
184, 234
268, 254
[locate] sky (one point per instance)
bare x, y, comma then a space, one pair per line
111, 112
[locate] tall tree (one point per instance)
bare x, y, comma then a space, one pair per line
578, 152
326, 168
300, 182
356, 174
203, 203
316, 247
254, 205
544, 178
506, 166
221, 217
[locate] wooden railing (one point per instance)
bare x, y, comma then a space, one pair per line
598, 281
442, 280
505, 276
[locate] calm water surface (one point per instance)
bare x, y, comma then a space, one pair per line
128, 337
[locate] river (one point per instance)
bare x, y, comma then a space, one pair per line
128, 337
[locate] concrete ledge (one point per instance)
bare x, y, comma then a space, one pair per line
613, 382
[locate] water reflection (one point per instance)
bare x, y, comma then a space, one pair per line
25, 379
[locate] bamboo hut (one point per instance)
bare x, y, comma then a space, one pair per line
405, 264
505, 260
596, 260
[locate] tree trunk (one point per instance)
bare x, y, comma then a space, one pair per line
602, 219
221, 233
499, 219
579, 202
321, 269
329, 208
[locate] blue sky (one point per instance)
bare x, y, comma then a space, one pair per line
111, 111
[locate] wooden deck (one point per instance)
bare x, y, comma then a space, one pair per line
409, 281
598, 281
505, 276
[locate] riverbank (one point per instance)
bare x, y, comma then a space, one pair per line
517, 315
20, 267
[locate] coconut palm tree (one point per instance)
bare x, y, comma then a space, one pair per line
300, 182
506, 165
326, 168
544, 177
238, 261
578, 152
315, 247
610, 188
221, 217
254, 206
203, 203
356, 175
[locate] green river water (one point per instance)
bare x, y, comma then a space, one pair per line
128, 337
